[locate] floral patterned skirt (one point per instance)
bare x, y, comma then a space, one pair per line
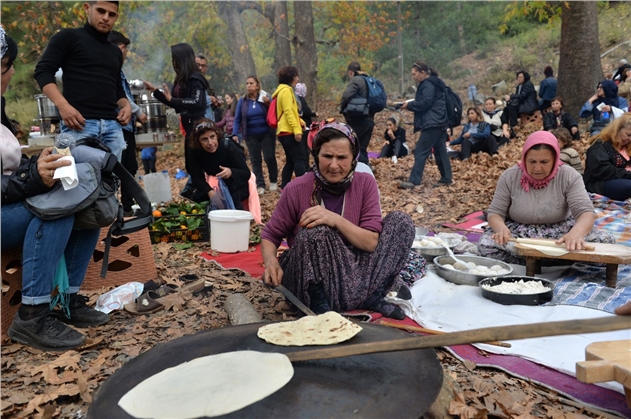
487, 247
348, 275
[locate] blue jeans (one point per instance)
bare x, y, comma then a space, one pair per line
431, 138
265, 143
617, 189
109, 132
43, 243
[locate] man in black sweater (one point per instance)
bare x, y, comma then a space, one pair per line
93, 103
361, 124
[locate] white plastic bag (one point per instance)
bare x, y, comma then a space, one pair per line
118, 297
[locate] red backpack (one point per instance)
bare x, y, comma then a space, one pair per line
272, 119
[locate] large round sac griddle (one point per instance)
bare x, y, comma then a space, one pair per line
400, 384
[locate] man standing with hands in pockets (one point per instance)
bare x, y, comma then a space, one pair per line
91, 78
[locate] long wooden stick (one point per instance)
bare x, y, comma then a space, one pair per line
418, 329
545, 242
526, 331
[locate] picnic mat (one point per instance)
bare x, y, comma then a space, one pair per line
250, 262
587, 394
614, 217
473, 222
442, 305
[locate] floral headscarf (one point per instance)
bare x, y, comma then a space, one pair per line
301, 89
539, 137
320, 181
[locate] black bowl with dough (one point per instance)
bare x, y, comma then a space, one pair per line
517, 299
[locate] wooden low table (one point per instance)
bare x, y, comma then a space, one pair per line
610, 254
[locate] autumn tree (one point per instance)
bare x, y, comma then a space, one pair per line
239, 47
580, 68
305, 47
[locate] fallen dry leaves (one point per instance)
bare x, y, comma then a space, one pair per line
61, 385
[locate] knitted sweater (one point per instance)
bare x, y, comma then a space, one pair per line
570, 157
361, 207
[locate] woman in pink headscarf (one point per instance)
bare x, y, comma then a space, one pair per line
539, 198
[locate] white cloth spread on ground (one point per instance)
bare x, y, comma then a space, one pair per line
448, 307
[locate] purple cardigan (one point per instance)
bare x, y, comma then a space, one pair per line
361, 207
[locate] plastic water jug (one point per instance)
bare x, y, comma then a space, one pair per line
158, 186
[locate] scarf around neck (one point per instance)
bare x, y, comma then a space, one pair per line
539, 137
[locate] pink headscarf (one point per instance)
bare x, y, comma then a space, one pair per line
539, 137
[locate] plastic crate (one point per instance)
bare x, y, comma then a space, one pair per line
201, 234
11, 287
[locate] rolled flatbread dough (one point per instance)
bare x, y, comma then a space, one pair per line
209, 386
326, 329
547, 250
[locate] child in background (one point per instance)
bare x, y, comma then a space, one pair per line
148, 157
568, 155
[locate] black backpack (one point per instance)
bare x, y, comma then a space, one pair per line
454, 108
94, 201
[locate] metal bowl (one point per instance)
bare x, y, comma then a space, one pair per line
520, 299
429, 253
464, 278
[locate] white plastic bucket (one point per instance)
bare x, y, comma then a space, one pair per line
229, 230
158, 187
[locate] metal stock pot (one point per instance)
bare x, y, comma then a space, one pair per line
46, 108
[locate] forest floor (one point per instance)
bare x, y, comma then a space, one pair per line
62, 385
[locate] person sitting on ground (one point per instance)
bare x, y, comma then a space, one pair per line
624, 88
568, 154
539, 198
394, 136
557, 117
604, 106
342, 255
476, 136
607, 161
210, 155
43, 242
493, 117
547, 89
523, 101
228, 117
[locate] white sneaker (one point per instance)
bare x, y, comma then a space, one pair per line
261, 191
273, 187
394, 159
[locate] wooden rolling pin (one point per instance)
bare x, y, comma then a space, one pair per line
487, 334
544, 242
417, 329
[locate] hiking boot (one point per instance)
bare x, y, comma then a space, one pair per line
406, 185
45, 332
81, 315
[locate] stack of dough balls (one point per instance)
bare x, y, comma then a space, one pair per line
429, 241
473, 269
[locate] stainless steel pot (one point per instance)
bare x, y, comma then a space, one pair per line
46, 108
154, 109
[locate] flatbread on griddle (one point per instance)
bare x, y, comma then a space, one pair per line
209, 386
326, 329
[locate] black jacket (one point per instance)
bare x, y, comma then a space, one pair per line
192, 102
550, 121
22, 183
307, 113
526, 99
429, 105
599, 167
356, 87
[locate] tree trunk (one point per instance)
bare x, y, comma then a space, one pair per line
278, 18
242, 61
305, 47
580, 69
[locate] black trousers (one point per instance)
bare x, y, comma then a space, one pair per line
363, 128
129, 160
294, 158
489, 145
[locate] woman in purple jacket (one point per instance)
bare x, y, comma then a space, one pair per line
342, 254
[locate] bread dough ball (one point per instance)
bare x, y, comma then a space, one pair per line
496, 268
